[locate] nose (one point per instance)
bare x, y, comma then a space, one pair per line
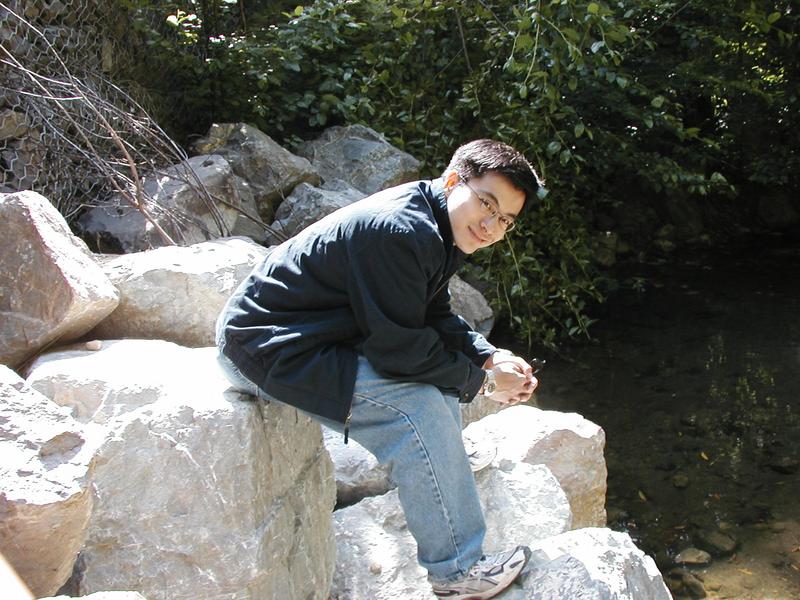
491, 224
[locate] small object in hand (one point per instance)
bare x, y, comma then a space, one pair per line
537, 364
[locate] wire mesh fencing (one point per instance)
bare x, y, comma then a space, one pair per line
67, 130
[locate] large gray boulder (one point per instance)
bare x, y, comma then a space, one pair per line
50, 286
192, 201
200, 492
308, 204
176, 293
377, 557
45, 484
360, 156
270, 170
571, 446
590, 564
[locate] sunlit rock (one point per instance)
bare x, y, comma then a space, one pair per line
270, 171
50, 286
308, 204
192, 201
200, 492
360, 156
377, 557
176, 293
590, 564
571, 446
45, 479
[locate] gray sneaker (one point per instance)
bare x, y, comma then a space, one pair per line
488, 577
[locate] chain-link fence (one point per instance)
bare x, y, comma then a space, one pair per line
66, 130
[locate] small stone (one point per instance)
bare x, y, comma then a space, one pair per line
785, 465
375, 569
693, 557
680, 481
716, 542
681, 581
779, 526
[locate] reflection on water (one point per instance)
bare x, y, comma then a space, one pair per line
695, 382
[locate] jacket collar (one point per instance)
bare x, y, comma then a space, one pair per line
439, 207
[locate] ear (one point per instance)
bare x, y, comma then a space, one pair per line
451, 179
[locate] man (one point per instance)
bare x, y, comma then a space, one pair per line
350, 321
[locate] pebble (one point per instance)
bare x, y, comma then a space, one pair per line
375, 568
693, 557
716, 542
680, 481
681, 581
785, 465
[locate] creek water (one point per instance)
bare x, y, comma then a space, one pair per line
694, 378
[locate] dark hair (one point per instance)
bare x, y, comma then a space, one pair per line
478, 157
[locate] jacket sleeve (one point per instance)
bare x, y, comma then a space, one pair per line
455, 332
388, 285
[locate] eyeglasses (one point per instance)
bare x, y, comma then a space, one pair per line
490, 208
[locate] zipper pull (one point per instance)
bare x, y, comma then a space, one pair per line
347, 426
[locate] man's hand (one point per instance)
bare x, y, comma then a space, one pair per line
504, 356
514, 384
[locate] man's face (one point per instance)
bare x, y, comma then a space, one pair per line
474, 225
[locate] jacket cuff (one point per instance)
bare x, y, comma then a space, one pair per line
474, 383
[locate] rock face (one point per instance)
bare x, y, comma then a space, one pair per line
177, 203
470, 304
45, 478
568, 444
200, 492
376, 555
176, 293
360, 156
270, 171
50, 287
590, 564
308, 204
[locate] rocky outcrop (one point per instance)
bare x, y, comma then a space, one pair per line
193, 201
45, 479
376, 555
270, 171
51, 289
361, 157
590, 564
308, 204
176, 293
568, 444
200, 492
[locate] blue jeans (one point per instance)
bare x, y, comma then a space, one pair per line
415, 430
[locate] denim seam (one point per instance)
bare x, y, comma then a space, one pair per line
432, 474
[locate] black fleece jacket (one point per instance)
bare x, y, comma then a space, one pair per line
370, 278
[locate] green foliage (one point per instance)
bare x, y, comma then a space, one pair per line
619, 105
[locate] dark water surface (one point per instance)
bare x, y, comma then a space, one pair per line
696, 382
